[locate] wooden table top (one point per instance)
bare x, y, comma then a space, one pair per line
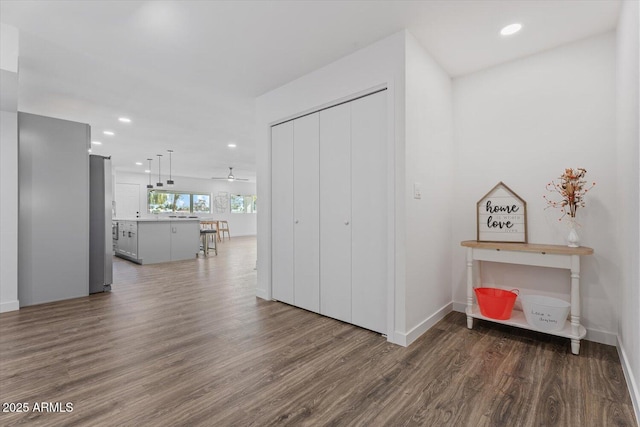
528, 247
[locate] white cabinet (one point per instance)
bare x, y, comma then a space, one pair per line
184, 240
155, 241
133, 239
127, 242
329, 212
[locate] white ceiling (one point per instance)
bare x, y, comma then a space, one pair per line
187, 72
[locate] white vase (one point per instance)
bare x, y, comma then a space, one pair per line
573, 240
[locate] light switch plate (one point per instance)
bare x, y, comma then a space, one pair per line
417, 190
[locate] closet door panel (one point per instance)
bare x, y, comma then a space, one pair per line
306, 211
369, 211
335, 212
282, 212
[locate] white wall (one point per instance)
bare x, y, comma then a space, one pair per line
239, 224
378, 65
419, 150
523, 123
429, 162
628, 180
9, 169
9, 48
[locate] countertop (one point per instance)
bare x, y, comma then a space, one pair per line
159, 219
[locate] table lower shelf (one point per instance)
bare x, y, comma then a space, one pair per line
518, 320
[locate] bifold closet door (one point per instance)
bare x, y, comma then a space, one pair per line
335, 212
369, 212
306, 212
282, 212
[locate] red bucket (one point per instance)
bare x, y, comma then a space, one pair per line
496, 303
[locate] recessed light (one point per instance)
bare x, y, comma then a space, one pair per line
147, 171
139, 163
231, 145
511, 29
108, 132
89, 150
96, 142
124, 119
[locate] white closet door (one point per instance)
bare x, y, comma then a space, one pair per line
306, 177
282, 212
369, 211
335, 212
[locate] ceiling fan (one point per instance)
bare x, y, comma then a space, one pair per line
230, 177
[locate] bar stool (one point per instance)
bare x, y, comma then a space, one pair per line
204, 238
223, 226
210, 225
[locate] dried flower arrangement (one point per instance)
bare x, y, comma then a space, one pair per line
572, 188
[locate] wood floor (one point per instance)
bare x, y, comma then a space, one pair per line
188, 344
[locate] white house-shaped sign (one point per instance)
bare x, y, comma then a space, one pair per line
502, 216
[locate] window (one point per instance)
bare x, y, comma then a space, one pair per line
250, 204
201, 203
160, 201
237, 203
163, 201
182, 203
243, 204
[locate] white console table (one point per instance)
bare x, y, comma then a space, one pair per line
554, 256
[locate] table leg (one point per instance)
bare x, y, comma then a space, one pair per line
575, 346
575, 303
469, 287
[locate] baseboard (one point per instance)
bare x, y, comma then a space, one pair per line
601, 337
9, 306
594, 335
262, 294
405, 339
460, 307
632, 385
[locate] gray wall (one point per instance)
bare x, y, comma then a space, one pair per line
53, 246
8, 168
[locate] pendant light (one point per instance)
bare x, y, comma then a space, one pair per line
159, 183
149, 184
170, 180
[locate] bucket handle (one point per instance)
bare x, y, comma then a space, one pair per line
515, 291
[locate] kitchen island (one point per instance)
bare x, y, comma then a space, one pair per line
156, 240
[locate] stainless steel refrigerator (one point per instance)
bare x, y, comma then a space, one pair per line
100, 234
